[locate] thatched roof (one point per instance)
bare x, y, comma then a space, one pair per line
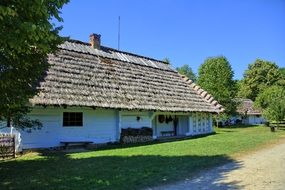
245, 107
80, 75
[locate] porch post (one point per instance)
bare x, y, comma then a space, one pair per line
153, 124
189, 133
118, 125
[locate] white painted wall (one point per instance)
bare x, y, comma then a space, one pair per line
254, 119
189, 124
99, 126
163, 126
200, 123
183, 125
129, 119
250, 119
104, 125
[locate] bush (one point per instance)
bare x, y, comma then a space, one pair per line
238, 121
220, 124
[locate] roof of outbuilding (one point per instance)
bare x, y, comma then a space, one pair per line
80, 75
246, 107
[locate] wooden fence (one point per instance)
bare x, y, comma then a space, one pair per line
7, 146
275, 124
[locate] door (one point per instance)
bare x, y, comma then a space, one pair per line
183, 125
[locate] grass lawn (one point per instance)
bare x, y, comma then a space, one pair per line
131, 167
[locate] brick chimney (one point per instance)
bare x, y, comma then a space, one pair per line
95, 40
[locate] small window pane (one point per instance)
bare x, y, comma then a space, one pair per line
74, 119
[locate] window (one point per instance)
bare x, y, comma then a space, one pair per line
72, 119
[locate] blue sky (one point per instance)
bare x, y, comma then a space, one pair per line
185, 31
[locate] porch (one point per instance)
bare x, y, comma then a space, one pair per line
167, 126
180, 125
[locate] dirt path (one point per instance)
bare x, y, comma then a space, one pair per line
264, 169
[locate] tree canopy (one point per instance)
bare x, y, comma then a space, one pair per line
272, 102
26, 37
282, 70
187, 71
216, 76
166, 60
260, 75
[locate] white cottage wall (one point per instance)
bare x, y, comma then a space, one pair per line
200, 123
160, 127
99, 126
254, 119
104, 125
133, 119
183, 125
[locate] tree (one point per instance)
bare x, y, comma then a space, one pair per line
187, 71
166, 60
282, 81
272, 102
282, 71
216, 77
259, 76
238, 84
26, 37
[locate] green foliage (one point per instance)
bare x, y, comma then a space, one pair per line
282, 71
26, 37
238, 84
20, 121
166, 60
282, 81
259, 76
272, 101
187, 71
216, 77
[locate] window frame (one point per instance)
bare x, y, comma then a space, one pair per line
72, 119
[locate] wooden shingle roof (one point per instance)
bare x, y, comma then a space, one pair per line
80, 75
245, 106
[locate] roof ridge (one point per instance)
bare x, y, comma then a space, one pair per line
120, 51
203, 93
114, 59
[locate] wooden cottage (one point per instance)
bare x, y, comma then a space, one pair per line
91, 93
247, 113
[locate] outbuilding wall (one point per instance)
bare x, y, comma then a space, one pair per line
247, 120
255, 119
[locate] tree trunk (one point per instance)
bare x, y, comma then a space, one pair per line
8, 121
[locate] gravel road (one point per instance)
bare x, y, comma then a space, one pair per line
264, 169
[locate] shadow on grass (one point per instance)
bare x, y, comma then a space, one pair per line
227, 131
240, 126
92, 171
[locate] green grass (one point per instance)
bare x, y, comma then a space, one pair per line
131, 167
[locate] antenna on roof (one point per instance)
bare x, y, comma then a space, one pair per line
119, 27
